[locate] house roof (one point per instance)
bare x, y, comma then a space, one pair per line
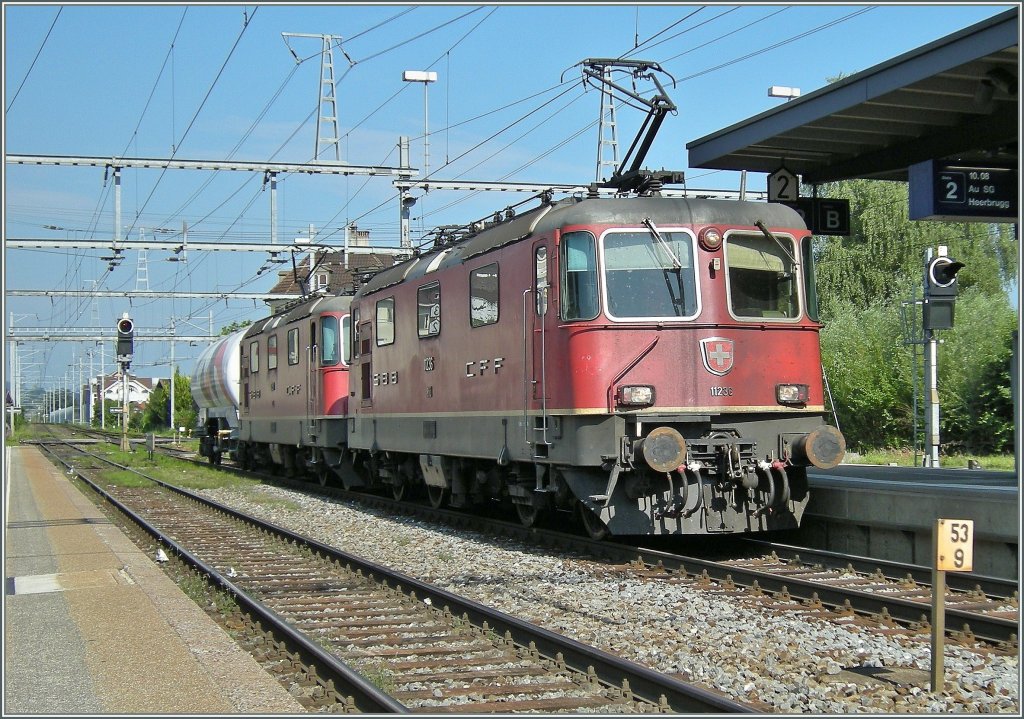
340, 277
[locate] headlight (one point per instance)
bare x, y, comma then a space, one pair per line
710, 239
636, 395
791, 393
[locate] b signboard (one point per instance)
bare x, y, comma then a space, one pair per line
824, 215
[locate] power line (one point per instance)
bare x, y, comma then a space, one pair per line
638, 45
775, 46
199, 109
725, 35
421, 35
38, 53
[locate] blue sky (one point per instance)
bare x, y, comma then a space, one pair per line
220, 82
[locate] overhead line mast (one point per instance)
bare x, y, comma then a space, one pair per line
327, 98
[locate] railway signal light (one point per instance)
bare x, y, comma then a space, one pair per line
125, 339
940, 290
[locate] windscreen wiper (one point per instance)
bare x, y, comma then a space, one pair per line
769, 235
677, 267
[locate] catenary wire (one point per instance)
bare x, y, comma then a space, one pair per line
34, 59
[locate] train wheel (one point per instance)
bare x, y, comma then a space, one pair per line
438, 496
596, 528
323, 475
528, 514
398, 490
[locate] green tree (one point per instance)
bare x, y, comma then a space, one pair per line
868, 369
228, 329
155, 416
885, 247
862, 281
184, 412
975, 366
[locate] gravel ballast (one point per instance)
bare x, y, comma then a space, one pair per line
778, 659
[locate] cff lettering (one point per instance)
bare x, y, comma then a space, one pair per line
479, 368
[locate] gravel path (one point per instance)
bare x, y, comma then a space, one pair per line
779, 660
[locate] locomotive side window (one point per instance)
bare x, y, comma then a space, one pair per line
540, 279
579, 276
272, 352
364, 338
329, 355
428, 310
353, 332
346, 345
293, 346
762, 277
254, 357
483, 295
386, 322
810, 282
649, 274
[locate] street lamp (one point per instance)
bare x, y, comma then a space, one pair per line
781, 91
426, 78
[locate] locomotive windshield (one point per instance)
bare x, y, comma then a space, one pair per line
649, 274
329, 342
763, 277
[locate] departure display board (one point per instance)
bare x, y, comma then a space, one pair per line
963, 193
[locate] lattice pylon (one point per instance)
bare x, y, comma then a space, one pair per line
607, 140
327, 112
142, 268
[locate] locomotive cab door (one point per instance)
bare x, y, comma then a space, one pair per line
537, 319
363, 345
312, 381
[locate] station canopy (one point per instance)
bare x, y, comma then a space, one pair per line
955, 98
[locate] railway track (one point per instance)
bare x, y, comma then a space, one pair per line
345, 619
880, 593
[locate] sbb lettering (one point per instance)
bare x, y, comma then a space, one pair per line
382, 379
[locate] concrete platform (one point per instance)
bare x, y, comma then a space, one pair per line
890, 512
93, 626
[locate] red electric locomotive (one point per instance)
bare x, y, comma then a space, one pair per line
293, 394
650, 362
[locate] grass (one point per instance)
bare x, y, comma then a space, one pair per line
906, 458
202, 593
379, 675
162, 467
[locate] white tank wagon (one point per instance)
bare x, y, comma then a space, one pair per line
215, 383
62, 416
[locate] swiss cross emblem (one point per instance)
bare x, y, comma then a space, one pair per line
717, 353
